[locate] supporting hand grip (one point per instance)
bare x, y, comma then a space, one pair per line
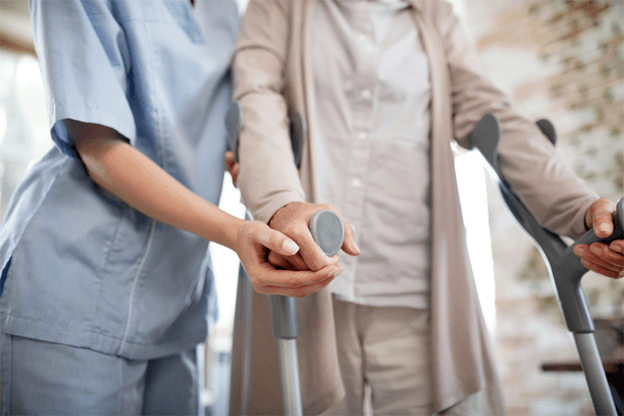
565, 267
327, 231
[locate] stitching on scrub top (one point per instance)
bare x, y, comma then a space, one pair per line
136, 279
157, 98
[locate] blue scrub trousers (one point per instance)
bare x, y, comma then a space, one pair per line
44, 378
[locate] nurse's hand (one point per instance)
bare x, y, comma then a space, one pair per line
293, 220
605, 259
231, 165
254, 240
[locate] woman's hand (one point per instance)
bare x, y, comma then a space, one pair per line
599, 257
231, 165
293, 220
254, 240
124, 171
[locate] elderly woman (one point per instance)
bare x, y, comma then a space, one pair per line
385, 87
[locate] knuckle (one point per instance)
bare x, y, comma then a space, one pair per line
331, 207
293, 229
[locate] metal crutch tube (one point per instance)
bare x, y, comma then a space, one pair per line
327, 231
565, 268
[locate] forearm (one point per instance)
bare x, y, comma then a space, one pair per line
552, 191
134, 178
268, 178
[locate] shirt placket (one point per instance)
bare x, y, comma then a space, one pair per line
362, 103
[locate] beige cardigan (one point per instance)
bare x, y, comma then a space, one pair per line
272, 77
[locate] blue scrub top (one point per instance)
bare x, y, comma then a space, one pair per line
85, 268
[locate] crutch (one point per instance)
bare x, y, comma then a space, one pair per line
327, 230
564, 266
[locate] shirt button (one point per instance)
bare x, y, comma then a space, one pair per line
362, 135
366, 94
356, 183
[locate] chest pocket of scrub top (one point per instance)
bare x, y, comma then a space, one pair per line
183, 16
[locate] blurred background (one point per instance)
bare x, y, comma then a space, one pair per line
561, 60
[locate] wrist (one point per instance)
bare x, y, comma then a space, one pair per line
234, 234
276, 215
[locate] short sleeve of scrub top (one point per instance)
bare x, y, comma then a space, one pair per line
93, 55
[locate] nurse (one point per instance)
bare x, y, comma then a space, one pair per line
106, 285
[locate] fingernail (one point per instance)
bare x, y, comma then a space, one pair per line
290, 246
604, 227
584, 263
355, 248
617, 248
336, 272
579, 251
597, 251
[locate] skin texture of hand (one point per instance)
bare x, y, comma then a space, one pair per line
122, 170
292, 220
605, 259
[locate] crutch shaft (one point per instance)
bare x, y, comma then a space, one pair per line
594, 373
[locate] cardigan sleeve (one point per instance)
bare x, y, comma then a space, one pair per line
268, 178
553, 192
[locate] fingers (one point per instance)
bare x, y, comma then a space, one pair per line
299, 292
312, 255
260, 233
617, 246
599, 217
287, 262
278, 242
229, 160
292, 220
278, 260
293, 262
234, 173
600, 258
255, 239
349, 246
602, 270
231, 165
267, 280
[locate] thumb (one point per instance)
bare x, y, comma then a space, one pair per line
278, 242
349, 246
600, 218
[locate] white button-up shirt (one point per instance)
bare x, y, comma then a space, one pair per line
373, 96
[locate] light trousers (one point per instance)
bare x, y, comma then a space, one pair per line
42, 378
387, 349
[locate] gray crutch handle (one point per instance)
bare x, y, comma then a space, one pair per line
566, 268
234, 124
